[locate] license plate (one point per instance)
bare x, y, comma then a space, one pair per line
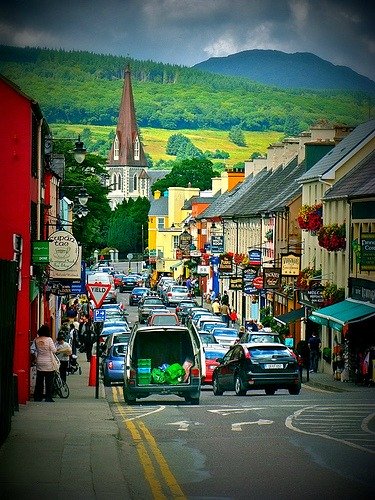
273, 366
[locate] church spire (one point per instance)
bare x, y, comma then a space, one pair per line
127, 149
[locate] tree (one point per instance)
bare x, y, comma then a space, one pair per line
197, 172
237, 136
175, 143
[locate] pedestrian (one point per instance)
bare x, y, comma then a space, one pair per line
44, 350
314, 345
303, 352
63, 352
212, 295
251, 326
225, 312
86, 336
216, 307
241, 332
225, 298
233, 317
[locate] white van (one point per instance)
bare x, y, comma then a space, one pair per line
106, 279
158, 346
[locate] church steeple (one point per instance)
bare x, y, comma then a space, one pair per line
127, 149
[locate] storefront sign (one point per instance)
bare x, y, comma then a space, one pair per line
225, 265
217, 244
258, 283
184, 242
290, 264
315, 295
64, 250
40, 252
73, 273
271, 277
235, 283
360, 289
203, 270
367, 262
255, 257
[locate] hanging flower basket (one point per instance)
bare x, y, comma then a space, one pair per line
332, 237
332, 294
306, 278
310, 217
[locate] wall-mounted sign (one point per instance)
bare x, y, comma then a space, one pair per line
255, 257
315, 295
73, 273
367, 261
235, 283
40, 252
64, 250
203, 270
271, 277
290, 264
184, 242
217, 243
225, 265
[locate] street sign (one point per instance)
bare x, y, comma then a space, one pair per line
99, 315
130, 256
98, 292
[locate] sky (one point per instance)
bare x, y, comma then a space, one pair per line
186, 32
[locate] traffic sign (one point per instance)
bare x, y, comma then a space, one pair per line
98, 292
99, 315
130, 256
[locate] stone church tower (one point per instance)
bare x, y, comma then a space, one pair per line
127, 164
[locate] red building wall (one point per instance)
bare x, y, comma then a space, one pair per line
17, 189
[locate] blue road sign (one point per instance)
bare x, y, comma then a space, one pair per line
99, 315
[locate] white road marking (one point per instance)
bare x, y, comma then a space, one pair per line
183, 425
238, 426
231, 411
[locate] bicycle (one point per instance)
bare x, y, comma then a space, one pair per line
60, 388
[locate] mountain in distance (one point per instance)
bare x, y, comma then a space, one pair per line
298, 70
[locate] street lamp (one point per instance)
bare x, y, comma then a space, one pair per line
79, 151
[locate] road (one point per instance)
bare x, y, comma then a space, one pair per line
317, 444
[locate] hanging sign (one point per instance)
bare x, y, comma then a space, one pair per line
63, 250
184, 242
235, 283
255, 257
258, 282
290, 264
271, 277
217, 243
225, 265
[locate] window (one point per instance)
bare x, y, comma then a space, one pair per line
116, 149
135, 178
175, 242
160, 223
136, 149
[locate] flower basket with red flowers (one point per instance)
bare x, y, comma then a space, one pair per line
332, 237
306, 278
310, 217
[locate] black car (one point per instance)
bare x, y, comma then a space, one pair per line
183, 308
128, 283
257, 366
146, 305
137, 293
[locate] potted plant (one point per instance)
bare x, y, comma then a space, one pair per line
310, 217
332, 237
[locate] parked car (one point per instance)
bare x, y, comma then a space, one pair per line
201, 319
147, 305
212, 354
208, 339
174, 294
209, 325
113, 364
114, 338
163, 319
152, 346
183, 308
136, 294
225, 336
264, 366
192, 311
118, 279
129, 282
108, 330
163, 282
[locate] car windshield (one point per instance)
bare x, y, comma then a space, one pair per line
225, 331
207, 327
260, 352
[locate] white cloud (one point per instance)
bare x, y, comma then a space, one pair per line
300, 11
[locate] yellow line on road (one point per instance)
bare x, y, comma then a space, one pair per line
148, 468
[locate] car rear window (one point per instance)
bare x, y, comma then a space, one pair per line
225, 331
207, 327
268, 351
181, 289
153, 302
263, 338
213, 354
164, 320
119, 350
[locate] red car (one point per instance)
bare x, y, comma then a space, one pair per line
118, 279
211, 355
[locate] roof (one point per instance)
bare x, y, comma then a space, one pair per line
197, 199
359, 182
274, 189
155, 175
346, 148
159, 207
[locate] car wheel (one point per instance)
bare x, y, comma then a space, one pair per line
270, 391
129, 400
294, 391
238, 387
216, 387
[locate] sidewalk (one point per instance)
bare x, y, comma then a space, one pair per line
325, 381
66, 449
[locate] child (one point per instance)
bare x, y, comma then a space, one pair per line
233, 317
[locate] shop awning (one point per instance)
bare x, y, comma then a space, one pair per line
291, 316
175, 266
345, 312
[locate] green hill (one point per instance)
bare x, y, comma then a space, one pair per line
85, 88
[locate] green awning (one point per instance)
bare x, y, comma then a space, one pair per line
342, 313
291, 316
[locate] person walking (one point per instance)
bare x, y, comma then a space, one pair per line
63, 352
86, 336
216, 307
44, 349
314, 345
225, 312
233, 317
225, 298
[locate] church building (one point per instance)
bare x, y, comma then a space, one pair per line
127, 164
